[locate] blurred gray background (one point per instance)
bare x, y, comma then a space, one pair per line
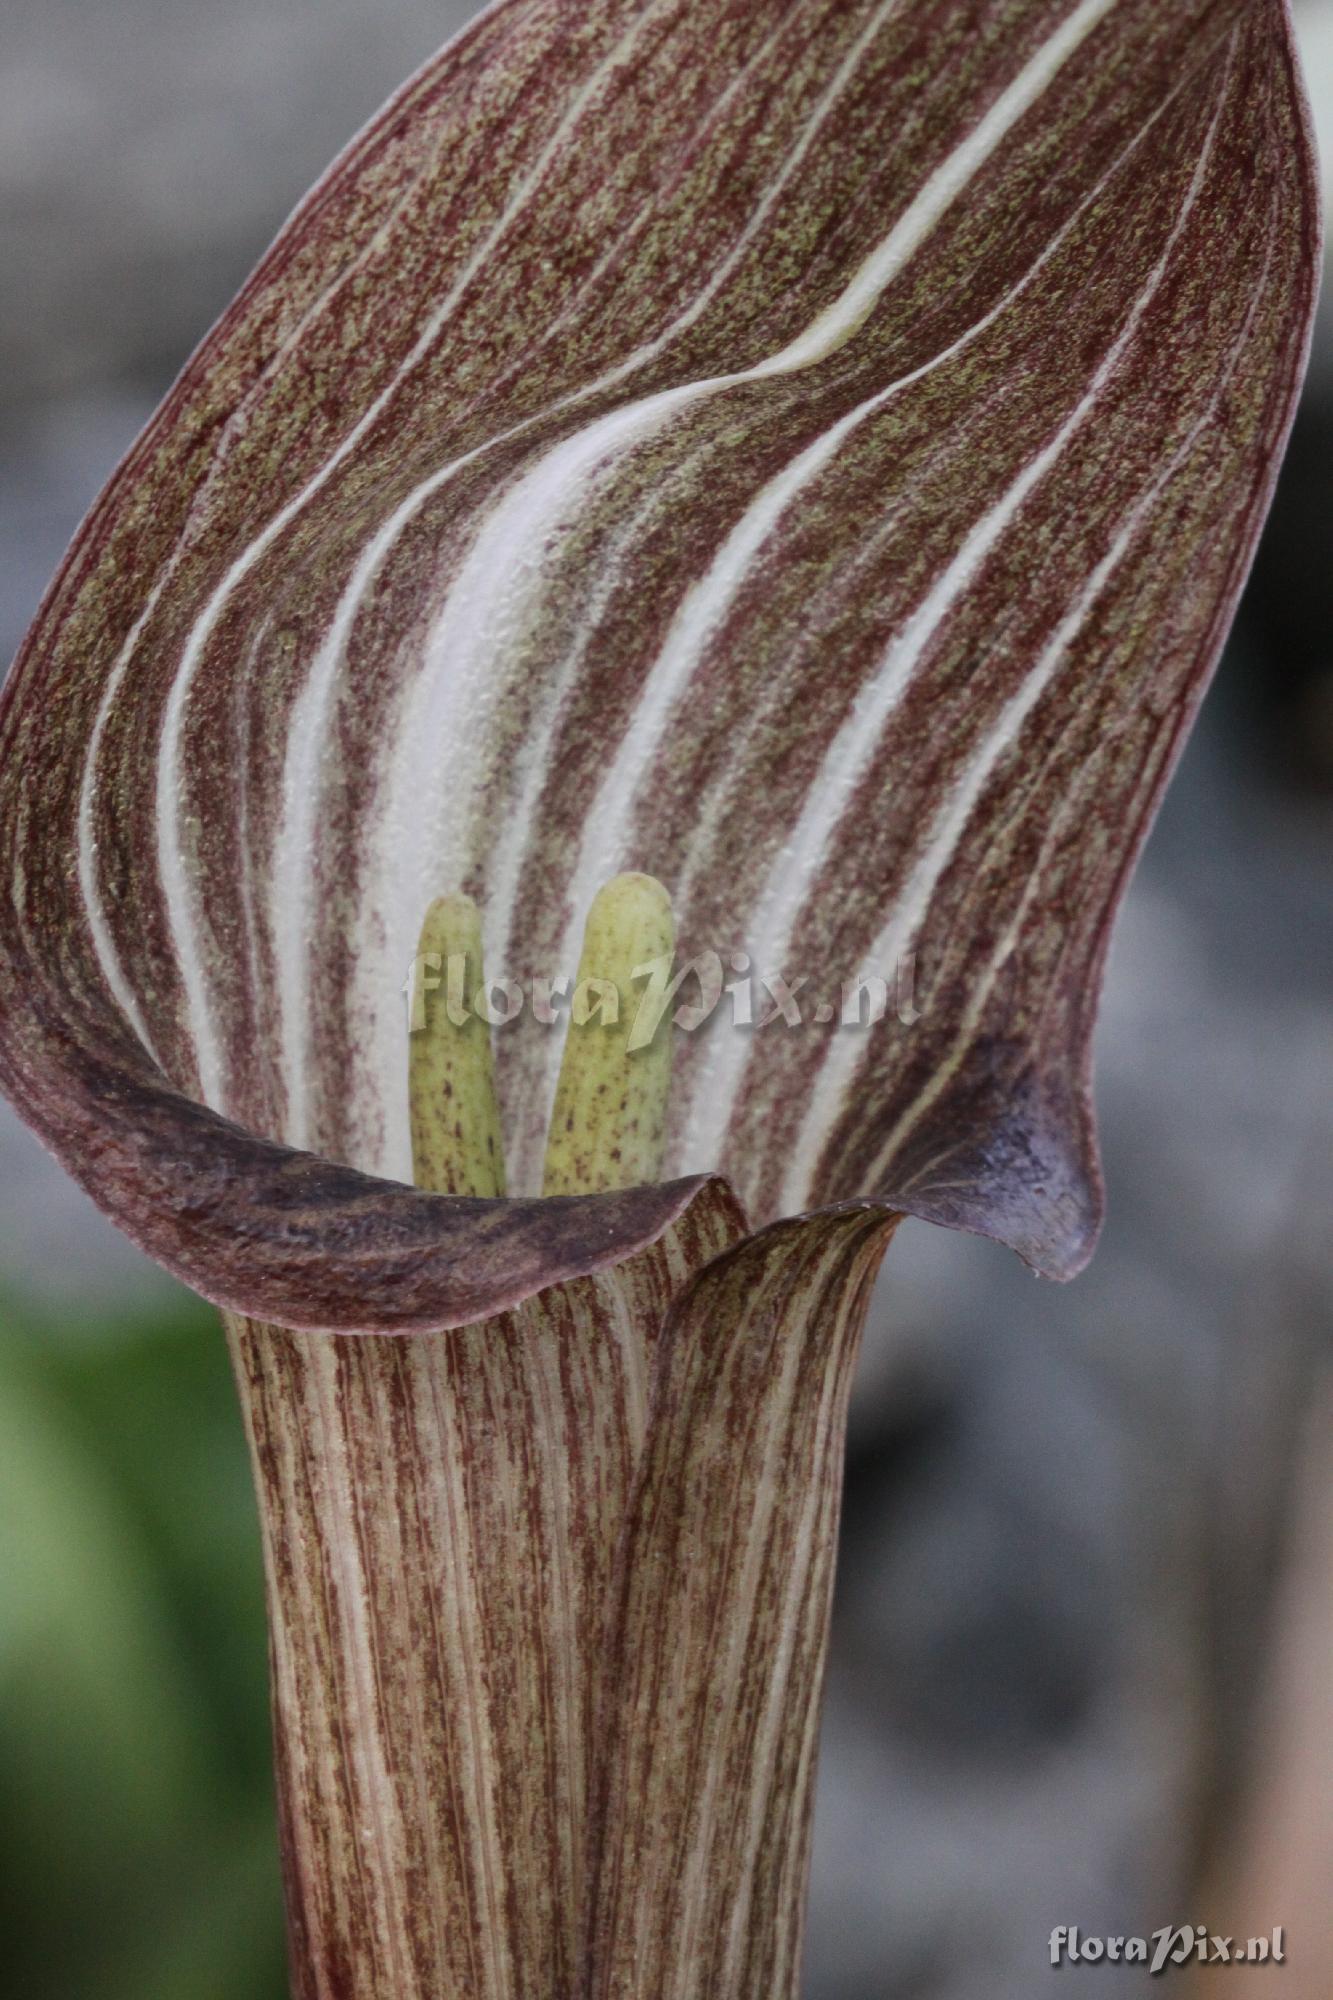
1073, 1514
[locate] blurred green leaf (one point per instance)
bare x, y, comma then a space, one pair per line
135, 1787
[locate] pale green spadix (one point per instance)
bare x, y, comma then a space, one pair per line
608, 1124
457, 1147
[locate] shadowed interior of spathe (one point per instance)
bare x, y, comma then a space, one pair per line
808, 451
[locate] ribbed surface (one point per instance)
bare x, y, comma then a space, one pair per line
440, 1517
701, 1843
806, 449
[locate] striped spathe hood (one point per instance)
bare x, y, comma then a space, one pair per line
809, 450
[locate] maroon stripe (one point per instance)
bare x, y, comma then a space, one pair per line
664, 218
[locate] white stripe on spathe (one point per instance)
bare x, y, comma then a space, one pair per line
173, 866
440, 763
707, 603
505, 861
104, 944
902, 929
893, 941
418, 774
292, 887
177, 887
89, 888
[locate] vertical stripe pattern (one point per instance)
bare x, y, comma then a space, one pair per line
549, 1605
807, 450
700, 1845
441, 1518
